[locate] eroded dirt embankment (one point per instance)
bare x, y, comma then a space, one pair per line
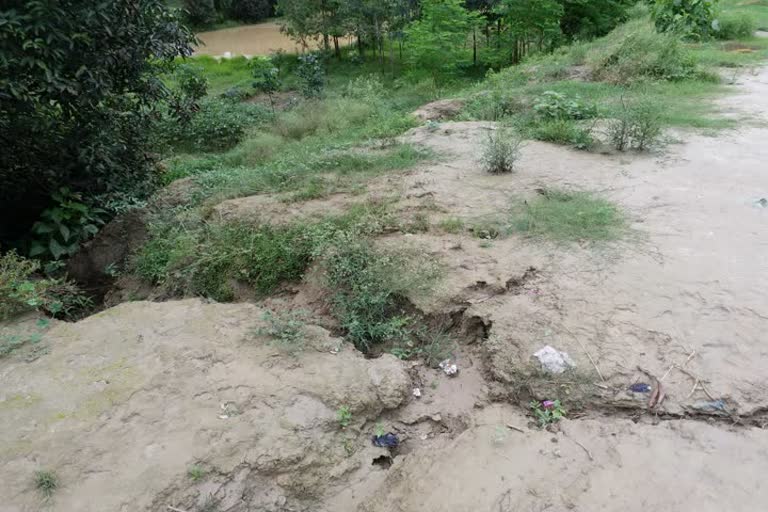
122, 404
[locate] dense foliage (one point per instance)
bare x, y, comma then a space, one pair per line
692, 18
78, 85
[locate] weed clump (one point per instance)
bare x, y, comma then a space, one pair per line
287, 330
736, 26
46, 482
637, 125
568, 216
369, 286
501, 150
565, 132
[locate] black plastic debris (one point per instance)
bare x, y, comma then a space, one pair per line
388, 440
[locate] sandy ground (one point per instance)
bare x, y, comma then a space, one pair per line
121, 404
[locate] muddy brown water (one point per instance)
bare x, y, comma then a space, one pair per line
248, 40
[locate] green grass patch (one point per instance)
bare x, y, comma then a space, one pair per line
368, 288
568, 216
210, 258
757, 10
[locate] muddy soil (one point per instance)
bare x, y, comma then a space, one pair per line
123, 403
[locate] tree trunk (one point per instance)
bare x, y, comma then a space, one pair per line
474, 46
336, 48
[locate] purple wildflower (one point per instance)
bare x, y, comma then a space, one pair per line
548, 404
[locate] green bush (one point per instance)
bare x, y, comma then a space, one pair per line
637, 125
311, 75
368, 290
691, 18
635, 51
736, 26
22, 290
555, 105
219, 125
62, 228
501, 150
563, 131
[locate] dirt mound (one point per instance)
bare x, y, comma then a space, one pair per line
129, 399
440, 110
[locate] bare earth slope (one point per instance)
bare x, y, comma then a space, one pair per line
126, 401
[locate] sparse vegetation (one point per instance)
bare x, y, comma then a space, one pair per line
501, 150
344, 416
46, 482
637, 124
287, 329
196, 472
453, 225
547, 412
568, 216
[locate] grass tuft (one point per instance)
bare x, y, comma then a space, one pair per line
46, 482
568, 216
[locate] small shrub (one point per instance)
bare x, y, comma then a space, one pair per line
554, 105
500, 151
568, 216
368, 287
46, 482
565, 132
344, 415
21, 290
62, 228
547, 412
218, 125
196, 472
191, 81
736, 26
266, 78
288, 330
311, 76
637, 125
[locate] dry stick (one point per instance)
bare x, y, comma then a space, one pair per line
586, 352
589, 454
515, 428
174, 509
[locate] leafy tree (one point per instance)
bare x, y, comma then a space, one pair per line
250, 10
78, 85
530, 22
693, 18
438, 40
199, 13
592, 18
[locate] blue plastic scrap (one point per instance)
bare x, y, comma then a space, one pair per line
640, 387
389, 440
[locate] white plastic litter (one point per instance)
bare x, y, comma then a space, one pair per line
417, 392
450, 369
553, 360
